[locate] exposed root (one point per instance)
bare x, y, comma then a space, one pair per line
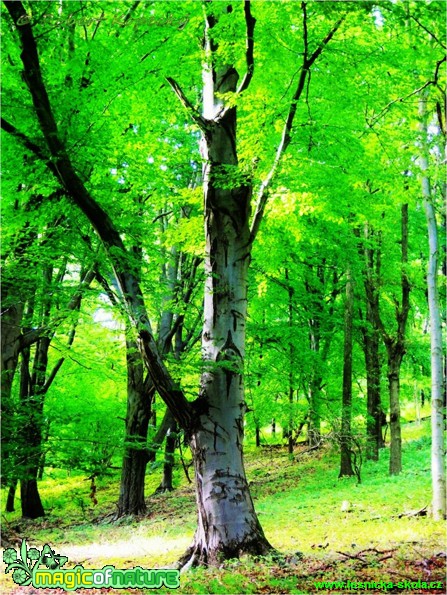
199, 555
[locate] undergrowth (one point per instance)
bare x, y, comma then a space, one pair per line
325, 528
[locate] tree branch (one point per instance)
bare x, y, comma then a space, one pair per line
198, 119
428, 31
434, 82
305, 32
28, 144
100, 220
250, 23
263, 192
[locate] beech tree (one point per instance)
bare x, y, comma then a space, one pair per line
264, 136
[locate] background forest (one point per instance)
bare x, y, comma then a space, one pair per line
139, 352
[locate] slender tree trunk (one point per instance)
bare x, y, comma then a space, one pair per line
395, 344
33, 388
396, 351
395, 428
9, 507
291, 425
346, 469
371, 339
30, 434
168, 463
314, 418
139, 397
11, 321
374, 439
437, 379
258, 435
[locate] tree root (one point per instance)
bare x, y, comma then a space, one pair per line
198, 555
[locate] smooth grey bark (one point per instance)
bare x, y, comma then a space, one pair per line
227, 521
437, 377
346, 469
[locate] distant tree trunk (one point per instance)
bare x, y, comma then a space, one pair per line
30, 441
395, 345
374, 440
314, 390
258, 435
437, 380
35, 385
314, 418
346, 469
291, 424
396, 351
394, 364
11, 496
319, 346
371, 337
139, 397
168, 463
45, 435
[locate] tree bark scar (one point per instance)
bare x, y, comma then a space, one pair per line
214, 279
215, 436
230, 353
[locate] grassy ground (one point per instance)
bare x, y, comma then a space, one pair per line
326, 529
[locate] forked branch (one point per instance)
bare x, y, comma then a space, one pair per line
198, 119
264, 189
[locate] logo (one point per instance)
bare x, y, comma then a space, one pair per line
43, 569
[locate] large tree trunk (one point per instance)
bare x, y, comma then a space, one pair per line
31, 503
346, 469
228, 525
437, 379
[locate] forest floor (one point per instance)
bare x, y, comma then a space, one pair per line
324, 528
